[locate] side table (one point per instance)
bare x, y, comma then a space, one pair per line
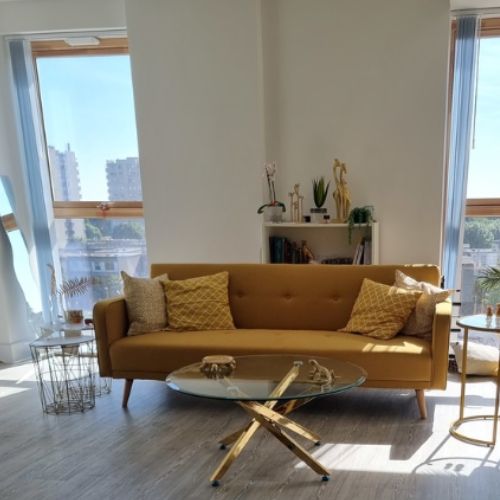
102, 384
482, 323
65, 374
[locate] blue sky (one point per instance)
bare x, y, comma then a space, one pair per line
88, 103
484, 166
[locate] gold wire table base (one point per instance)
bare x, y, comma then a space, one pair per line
275, 422
466, 324
467, 439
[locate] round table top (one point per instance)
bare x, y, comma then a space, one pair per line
61, 341
480, 322
255, 377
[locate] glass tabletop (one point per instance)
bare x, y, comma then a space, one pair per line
480, 322
61, 341
254, 378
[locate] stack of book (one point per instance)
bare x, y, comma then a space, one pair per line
282, 250
363, 252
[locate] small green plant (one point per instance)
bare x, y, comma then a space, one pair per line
359, 216
320, 191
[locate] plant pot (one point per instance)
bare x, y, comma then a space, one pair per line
273, 214
73, 316
317, 215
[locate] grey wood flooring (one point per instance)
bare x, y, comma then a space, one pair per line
165, 447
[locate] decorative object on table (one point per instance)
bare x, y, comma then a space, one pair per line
321, 374
326, 218
217, 366
307, 219
341, 195
65, 373
67, 290
360, 216
320, 192
273, 211
296, 204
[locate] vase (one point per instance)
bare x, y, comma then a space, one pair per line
273, 214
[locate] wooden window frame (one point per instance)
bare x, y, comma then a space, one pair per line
83, 209
9, 222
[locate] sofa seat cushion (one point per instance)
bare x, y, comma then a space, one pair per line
401, 358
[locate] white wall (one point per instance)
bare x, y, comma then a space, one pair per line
366, 82
33, 16
198, 91
362, 81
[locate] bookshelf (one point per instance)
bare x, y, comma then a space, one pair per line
325, 240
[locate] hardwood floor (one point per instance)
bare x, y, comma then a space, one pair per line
164, 446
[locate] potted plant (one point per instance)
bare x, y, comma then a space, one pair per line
66, 290
320, 192
360, 216
274, 209
489, 283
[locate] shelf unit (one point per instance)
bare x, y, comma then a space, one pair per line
326, 240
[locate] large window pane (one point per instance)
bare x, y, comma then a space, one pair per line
100, 249
484, 166
481, 250
89, 120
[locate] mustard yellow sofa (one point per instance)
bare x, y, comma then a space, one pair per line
295, 309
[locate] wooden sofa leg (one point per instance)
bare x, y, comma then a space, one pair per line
421, 402
126, 391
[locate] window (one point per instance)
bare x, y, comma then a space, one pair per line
87, 109
481, 245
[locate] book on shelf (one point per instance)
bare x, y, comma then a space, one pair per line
358, 252
367, 254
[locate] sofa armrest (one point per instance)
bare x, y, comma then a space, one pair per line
441, 344
110, 324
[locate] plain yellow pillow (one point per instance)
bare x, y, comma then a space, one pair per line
380, 311
199, 303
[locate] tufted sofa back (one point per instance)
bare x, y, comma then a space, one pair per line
294, 296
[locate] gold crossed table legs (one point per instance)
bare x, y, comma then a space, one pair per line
495, 417
274, 421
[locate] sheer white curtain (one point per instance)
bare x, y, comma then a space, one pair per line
22, 73
462, 115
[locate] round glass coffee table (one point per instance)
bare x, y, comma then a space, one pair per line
269, 387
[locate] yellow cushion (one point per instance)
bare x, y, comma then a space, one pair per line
406, 359
380, 310
145, 300
420, 321
481, 359
199, 303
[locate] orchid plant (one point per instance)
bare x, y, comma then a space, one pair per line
270, 173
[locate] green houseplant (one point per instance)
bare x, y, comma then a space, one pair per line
320, 192
360, 216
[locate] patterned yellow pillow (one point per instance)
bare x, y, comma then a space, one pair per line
199, 303
380, 310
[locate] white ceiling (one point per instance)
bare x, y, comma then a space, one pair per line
454, 4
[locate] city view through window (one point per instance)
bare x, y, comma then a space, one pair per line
89, 122
481, 245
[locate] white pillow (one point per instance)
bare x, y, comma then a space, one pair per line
420, 321
481, 359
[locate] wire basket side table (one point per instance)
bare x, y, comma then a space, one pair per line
65, 373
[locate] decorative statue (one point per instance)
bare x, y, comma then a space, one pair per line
296, 202
341, 194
